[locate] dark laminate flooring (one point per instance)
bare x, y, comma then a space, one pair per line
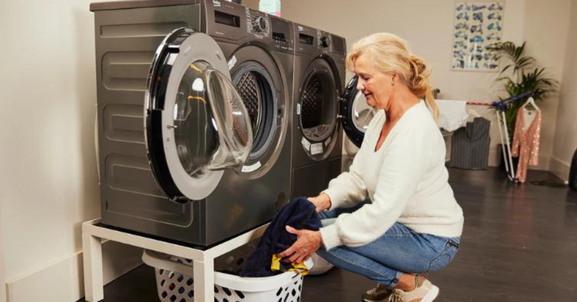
519, 244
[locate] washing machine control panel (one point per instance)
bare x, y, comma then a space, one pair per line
282, 34
258, 23
325, 40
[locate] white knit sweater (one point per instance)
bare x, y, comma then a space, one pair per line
406, 180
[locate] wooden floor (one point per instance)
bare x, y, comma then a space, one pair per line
519, 244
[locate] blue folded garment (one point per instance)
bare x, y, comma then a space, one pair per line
300, 214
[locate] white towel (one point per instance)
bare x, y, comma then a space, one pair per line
453, 114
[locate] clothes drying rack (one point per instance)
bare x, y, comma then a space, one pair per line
500, 107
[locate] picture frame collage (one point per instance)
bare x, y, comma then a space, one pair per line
477, 27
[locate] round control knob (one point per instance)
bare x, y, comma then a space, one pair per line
259, 24
324, 42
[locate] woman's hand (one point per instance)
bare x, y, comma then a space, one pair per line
321, 202
308, 242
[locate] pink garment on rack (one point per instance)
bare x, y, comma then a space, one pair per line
526, 143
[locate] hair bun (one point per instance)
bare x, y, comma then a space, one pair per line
418, 66
419, 75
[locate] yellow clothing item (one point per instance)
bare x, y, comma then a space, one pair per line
300, 268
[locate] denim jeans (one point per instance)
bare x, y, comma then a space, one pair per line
400, 250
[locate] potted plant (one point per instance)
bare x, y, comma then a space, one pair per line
524, 76
520, 74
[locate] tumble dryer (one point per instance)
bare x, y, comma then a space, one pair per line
193, 106
321, 104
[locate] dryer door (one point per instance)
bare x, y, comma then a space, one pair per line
317, 109
196, 123
356, 114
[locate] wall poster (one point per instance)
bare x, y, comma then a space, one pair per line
478, 25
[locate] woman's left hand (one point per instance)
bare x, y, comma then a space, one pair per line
308, 242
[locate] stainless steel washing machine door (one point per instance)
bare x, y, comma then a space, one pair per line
196, 123
317, 109
356, 114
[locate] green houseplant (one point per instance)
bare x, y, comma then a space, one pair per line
519, 75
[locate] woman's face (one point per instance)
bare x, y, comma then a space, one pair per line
375, 85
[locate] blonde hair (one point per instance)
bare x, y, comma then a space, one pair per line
390, 54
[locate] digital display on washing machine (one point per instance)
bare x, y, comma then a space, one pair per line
280, 30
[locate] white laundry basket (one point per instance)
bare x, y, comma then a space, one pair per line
321, 266
175, 282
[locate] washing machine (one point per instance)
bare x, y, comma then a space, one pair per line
193, 111
322, 107
356, 115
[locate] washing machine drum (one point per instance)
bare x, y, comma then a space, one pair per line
196, 122
318, 110
318, 102
261, 89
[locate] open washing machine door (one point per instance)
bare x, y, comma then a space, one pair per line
355, 113
196, 123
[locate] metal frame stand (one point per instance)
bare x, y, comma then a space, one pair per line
503, 131
506, 146
203, 261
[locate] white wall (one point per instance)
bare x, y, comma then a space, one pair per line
428, 26
48, 113
48, 176
546, 32
2, 278
3, 30
566, 133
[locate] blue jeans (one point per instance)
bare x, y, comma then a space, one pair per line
400, 250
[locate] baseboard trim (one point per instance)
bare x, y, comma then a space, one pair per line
63, 280
544, 163
495, 159
560, 168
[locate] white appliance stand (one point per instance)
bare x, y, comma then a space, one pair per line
92, 236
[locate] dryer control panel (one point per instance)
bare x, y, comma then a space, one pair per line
332, 43
257, 23
282, 34
339, 45
325, 40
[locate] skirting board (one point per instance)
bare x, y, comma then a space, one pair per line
495, 159
560, 168
63, 280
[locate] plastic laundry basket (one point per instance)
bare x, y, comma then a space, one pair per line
175, 283
321, 266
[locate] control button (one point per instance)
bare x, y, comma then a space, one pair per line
324, 42
259, 24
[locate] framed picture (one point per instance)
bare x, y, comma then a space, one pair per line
477, 26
